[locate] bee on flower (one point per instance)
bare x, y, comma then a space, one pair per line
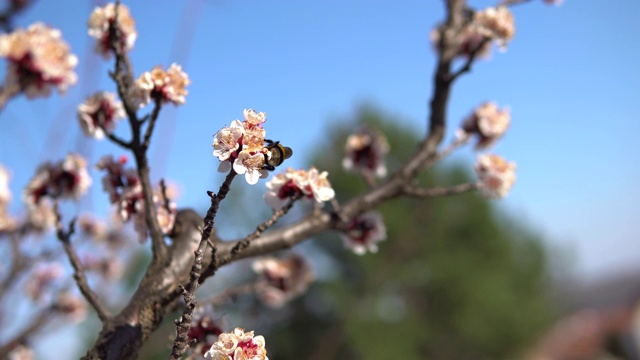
241, 146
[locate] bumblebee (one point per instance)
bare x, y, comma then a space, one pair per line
278, 154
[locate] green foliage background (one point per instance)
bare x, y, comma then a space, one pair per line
456, 278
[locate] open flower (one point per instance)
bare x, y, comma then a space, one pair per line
99, 113
254, 118
250, 164
163, 86
488, 122
227, 141
310, 184
365, 151
38, 60
241, 146
364, 232
66, 179
282, 279
496, 23
497, 176
101, 23
238, 345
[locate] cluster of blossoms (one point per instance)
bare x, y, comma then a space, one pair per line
65, 179
238, 345
38, 60
6, 222
495, 23
241, 146
282, 280
161, 86
125, 191
365, 151
101, 27
99, 113
496, 175
291, 183
488, 122
363, 233
491, 24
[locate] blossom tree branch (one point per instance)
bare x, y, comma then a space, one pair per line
394, 186
441, 191
244, 243
78, 271
470, 59
123, 76
183, 324
159, 290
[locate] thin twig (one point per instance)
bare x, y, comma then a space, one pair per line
183, 324
472, 57
117, 140
440, 191
157, 105
513, 2
244, 243
14, 8
78, 271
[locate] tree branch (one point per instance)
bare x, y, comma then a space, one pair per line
183, 324
157, 105
440, 191
78, 271
241, 245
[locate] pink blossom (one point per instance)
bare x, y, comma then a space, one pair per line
365, 151
282, 280
99, 114
65, 179
101, 22
38, 60
364, 232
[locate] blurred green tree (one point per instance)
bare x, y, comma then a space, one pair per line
456, 278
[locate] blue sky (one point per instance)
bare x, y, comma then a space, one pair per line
570, 77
